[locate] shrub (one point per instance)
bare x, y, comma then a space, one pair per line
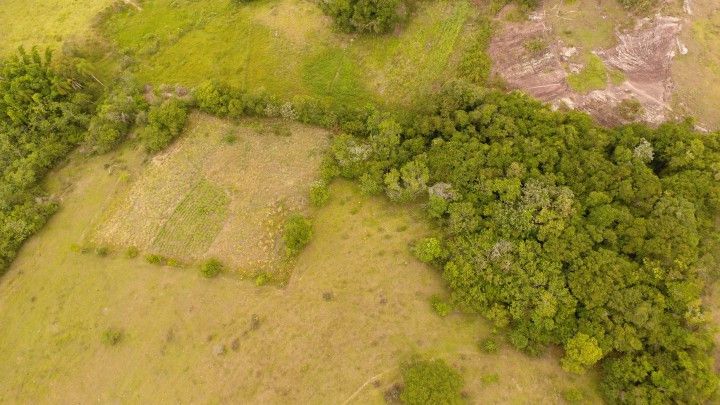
440, 306
297, 234
431, 382
165, 122
262, 279
132, 252
112, 336
428, 250
211, 268
573, 396
319, 194
102, 251
630, 109
374, 16
114, 117
156, 259
489, 345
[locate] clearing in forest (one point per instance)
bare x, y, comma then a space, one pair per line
221, 191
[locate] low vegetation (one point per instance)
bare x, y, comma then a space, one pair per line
593, 76
297, 234
431, 382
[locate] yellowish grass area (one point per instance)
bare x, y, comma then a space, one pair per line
697, 74
358, 303
220, 191
44, 22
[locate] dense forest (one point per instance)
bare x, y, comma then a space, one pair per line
43, 116
563, 232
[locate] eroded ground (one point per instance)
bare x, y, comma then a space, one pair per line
550, 56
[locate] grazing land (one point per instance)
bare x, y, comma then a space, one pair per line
358, 302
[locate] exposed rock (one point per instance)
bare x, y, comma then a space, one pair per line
643, 54
540, 74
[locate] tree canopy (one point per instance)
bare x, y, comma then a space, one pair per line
565, 232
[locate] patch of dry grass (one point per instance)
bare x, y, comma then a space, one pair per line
358, 303
206, 197
44, 22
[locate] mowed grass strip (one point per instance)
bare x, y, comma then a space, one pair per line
197, 220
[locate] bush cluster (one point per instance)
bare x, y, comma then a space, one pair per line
165, 122
297, 234
430, 382
564, 232
115, 116
372, 16
211, 268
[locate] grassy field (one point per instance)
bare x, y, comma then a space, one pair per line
44, 22
697, 74
220, 191
261, 45
358, 303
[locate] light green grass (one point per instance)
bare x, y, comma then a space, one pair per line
291, 345
45, 23
593, 76
260, 46
193, 226
697, 74
587, 24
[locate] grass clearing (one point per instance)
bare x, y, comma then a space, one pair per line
44, 22
697, 74
593, 76
358, 303
587, 24
193, 201
261, 45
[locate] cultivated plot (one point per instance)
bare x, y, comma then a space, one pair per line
221, 191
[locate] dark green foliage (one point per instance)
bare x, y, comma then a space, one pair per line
565, 232
112, 336
431, 382
298, 232
374, 16
165, 122
115, 116
211, 268
42, 118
